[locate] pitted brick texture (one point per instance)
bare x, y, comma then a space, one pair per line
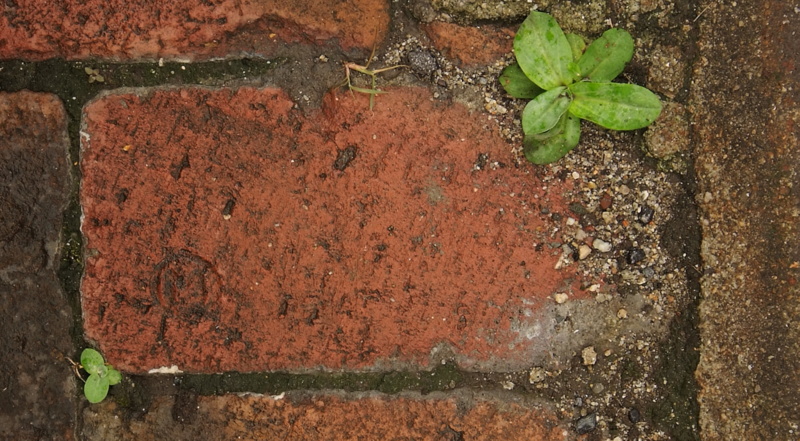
38, 395
182, 29
225, 231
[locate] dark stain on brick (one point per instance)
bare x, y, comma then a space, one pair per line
344, 157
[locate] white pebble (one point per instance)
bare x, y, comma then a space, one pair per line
601, 245
589, 356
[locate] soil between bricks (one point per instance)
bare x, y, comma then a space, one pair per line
227, 231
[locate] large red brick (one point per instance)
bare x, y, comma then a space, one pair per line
38, 397
181, 29
225, 231
329, 417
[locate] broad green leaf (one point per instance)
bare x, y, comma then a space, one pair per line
518, 85
92, 361
605, 58
542, 113
96, 388
577, 44
613, 105
555, 143
543, 51
114, 377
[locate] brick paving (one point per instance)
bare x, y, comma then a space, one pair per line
332, 416
182, 29
227, 231
38, 399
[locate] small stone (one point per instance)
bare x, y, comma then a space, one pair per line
584, 251
586, 424
422, 62
634, 415
601, 245
537, 375
602, 297
635, 255
560, 298
597, 388
589, 356
622, 314
606, 201
645, 214
508, 385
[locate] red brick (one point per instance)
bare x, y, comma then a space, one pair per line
182, 29
375, 263
471, 45
330, 417
38, 394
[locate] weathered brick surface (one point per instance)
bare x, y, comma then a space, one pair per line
747, 150
225, 231
37, 397
329, 417
471, 45
182, 29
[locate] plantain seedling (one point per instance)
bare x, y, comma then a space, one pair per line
567, 81
101, 375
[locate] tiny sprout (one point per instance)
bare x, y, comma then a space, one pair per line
101, 375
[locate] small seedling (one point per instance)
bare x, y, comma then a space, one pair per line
101, 375
366, 71
568, 81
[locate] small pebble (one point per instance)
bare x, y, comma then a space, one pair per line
606, 201
645, 214
589, 356
622, 314
422, 62
598, 388
601, 245
635, 255
634, 415
586, 424
584, 251
560, 298
537, 375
